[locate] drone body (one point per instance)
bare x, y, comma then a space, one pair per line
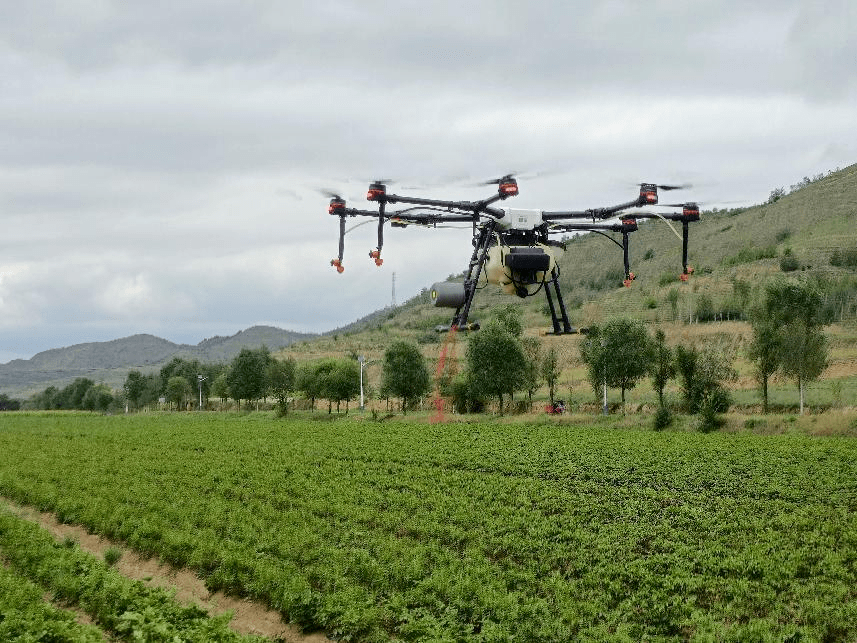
512, 248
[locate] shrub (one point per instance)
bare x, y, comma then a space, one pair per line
749, 254
112, 555
663, 418
709, 419
783, 234
788, 262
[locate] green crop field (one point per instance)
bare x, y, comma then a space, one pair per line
468, 532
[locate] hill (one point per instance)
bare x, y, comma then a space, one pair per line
733, 251
110, 361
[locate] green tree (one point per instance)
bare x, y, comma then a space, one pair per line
190, 370
619, 353
532, 368
509, 317
405, 373
673, 297
796, 307
551, 372
46, 400
307, 381
71, 397
662, 367
704, 374
98, 398
496, 363
765, 349
281, 376
140, 389
9, 404
340, 381
220, 386
248, 374
178, 391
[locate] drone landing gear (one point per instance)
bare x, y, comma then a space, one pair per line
561, 324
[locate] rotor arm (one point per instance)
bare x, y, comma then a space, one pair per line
475, 207
593, 213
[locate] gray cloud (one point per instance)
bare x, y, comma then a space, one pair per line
159, 161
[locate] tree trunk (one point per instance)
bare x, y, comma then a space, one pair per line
800, 386
765, 394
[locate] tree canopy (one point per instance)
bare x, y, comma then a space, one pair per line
496, 362
405, 374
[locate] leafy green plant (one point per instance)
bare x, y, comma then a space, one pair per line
112, 555
663, 418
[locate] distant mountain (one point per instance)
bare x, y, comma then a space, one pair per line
110, 361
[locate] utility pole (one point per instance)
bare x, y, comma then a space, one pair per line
199, 379
394, 290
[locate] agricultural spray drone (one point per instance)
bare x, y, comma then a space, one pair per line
511, 248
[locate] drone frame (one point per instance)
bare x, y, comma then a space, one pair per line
490, 229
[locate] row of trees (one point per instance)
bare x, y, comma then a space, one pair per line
82, 394
787, 323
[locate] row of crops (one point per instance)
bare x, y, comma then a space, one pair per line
468, 532
35, 565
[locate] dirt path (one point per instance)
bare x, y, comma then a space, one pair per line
248, 617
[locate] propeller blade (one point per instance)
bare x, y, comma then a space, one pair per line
330, 194
498, 181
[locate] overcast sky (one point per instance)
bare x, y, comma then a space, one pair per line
160, 160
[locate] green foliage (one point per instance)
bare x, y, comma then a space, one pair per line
129, 609
112, 555
9, 404
783, 235
220, 386
509, 317
749, 254
619, 353
247, 377
776, 195
141, 390
661, 367
82, 395
789, 262
336, 380
25, 617
712, 404
844, 257
467, 531
796, 308
551, 372
496, 363
765, 349
663, 418
704, 375
281, 380
98, 397
672, 297
178, 391
405, 374
704, 308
